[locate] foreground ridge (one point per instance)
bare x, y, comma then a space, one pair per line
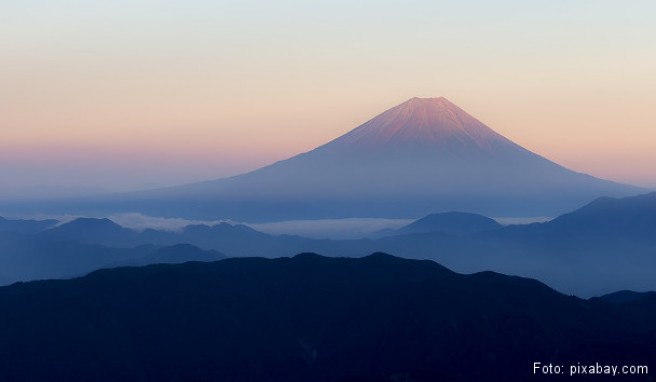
307, 318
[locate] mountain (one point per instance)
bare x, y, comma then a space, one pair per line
310, 318
423, 155
25, 257
626, 296
420, 156
606, 245
174, 254
26, 226
92, 230
452, 223
29, 257
629, 218
236, 239
181, 253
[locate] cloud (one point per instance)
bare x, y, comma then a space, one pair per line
353, 228
325, 228
136, 221
140, 222
522, 220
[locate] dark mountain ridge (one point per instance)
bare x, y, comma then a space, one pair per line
377, 318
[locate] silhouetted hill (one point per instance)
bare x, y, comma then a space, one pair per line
31, 257
630, 217
87, 244
26, 226
308, 318
92, 230
235, 239
452, 223
27, 257
179, 253
625, 296
605, 246
231, 239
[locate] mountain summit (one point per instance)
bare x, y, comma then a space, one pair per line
425, 155
432, 131
421, 121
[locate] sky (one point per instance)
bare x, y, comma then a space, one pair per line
123, 95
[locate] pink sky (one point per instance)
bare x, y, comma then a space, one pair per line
128, 95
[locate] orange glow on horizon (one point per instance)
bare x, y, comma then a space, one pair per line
226, 87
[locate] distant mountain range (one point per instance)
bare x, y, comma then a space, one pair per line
605, 246
421, 156
312, 318
49, 254
26, 226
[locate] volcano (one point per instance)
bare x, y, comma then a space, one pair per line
425, 155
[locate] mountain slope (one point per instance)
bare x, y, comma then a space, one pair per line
174, 254
308, 318
26, 226
33, 257
92, 230
420, 156
607, 245
235, 239
631, 217
453, 223
626, 297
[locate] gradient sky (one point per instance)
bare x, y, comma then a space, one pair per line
143, 93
